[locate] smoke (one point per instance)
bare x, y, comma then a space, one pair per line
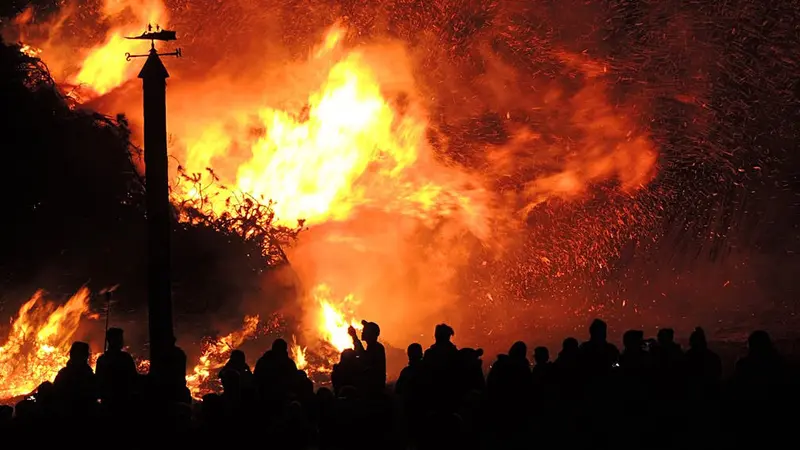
566, 137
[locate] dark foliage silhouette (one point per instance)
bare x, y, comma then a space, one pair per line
72, 189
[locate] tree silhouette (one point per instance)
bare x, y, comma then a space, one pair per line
73, 207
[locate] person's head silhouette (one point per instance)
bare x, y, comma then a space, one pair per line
443, 333
760, 343
666, 336
280, 346
697, 340
370, 331
598, 330
115, 338
541, 355
79, 352
414, 352
518, 350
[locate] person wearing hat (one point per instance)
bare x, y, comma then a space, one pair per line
373, 357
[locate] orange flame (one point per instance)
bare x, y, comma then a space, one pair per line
316, 165
299, 355
332, 323
215, 353
29, 50
104, 68
38, 343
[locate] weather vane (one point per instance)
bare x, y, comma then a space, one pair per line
153, 36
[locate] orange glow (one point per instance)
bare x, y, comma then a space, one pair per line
316, 166
30, 51
103, 68
330, 318
341, 139
332, 323
38, 343
214, 355
143, 365
299, 355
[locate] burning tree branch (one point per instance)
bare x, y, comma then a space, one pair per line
244, 215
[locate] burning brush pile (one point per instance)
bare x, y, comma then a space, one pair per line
402, 162
38, 342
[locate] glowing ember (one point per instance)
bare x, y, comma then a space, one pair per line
143, 365
214, 355
37, 346
30, 51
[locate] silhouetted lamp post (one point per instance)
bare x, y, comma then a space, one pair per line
159, 302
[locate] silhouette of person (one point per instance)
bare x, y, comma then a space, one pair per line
542, 380
509, 384
669, 349
409, 378
543, 368
471, 370
597, 355
634, 361
373, 357
598, 358
511, 372
76, 385
668, 358
441, 364
568, 359
703, 366
238, 362
442, 344
175, 379
46, 399
116, 373
231, 391
763, 395
762, 363
346, 373
703, 371
274, 375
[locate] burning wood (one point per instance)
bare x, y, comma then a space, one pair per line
348, 143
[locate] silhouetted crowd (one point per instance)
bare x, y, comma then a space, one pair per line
651, 394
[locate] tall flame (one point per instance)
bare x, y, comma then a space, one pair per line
38, 342
299, 355
332, 322
103, 69
348, 147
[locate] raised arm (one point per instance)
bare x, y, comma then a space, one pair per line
357, 345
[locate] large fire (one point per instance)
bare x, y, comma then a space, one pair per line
38, 342
341, 141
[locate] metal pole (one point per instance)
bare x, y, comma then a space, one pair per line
108, 315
